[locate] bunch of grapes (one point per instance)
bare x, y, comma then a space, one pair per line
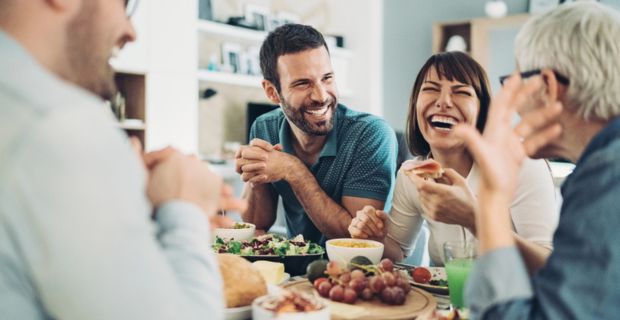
382, 281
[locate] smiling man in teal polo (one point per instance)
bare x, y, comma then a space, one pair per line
325, 160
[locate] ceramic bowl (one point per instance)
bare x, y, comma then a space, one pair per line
236, 234
345, 249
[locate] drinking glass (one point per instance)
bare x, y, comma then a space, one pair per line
459, 259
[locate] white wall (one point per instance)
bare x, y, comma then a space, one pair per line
361, 21
166, 52
132, 57
172, 86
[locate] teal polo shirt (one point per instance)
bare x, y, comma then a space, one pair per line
357, 160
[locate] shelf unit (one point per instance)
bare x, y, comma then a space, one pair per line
133, 87
132, 125
226, 30
230, 78
210, 32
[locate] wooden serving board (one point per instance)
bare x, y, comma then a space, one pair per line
418, 304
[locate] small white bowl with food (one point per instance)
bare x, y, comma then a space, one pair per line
239, 231
344, 249
290, 305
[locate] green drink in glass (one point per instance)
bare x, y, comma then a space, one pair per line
459, 258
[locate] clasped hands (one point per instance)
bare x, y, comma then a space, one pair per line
176, 176
261, 162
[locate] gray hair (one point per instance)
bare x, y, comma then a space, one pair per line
581, 41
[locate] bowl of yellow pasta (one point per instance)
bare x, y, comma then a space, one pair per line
345, 249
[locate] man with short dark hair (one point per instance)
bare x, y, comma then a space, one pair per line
76, 236
325, 160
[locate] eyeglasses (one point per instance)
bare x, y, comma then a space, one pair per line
524, 75
130, 7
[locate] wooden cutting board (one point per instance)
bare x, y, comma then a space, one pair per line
419, 304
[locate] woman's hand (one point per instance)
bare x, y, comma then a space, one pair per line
368, 223
451, 203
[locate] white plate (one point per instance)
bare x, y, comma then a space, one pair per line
241, 313
244, 313
437, 273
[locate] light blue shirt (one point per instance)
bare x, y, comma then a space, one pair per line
76, 238
581, 279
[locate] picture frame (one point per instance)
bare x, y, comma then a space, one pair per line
253, 61
272, 23
288, 17
258, 16
231, 56
280, 19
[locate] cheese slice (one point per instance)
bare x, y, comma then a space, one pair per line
273, 272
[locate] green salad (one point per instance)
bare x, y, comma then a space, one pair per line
268, 244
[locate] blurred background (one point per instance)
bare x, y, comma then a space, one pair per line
192, 79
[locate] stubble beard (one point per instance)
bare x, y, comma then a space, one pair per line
88, 54
298, 117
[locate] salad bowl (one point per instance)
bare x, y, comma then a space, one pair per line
295, 253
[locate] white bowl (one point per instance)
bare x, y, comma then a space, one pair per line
260, 313
237, 234
345, 254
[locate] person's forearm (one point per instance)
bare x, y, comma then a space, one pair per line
262, 204
328, 216
182, 230
534, 255
493, 224
392, 250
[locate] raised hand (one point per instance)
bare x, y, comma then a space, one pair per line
500, 151
368, 223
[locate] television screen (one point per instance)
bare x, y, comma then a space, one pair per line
255, 110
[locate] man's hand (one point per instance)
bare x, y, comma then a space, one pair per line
175, 176
368, 223
451, 203
162, 193
261, 162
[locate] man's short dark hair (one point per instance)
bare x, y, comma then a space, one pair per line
287, 39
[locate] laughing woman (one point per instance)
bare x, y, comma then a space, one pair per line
453, 88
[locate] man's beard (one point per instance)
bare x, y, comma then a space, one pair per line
88, 54
298, 117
